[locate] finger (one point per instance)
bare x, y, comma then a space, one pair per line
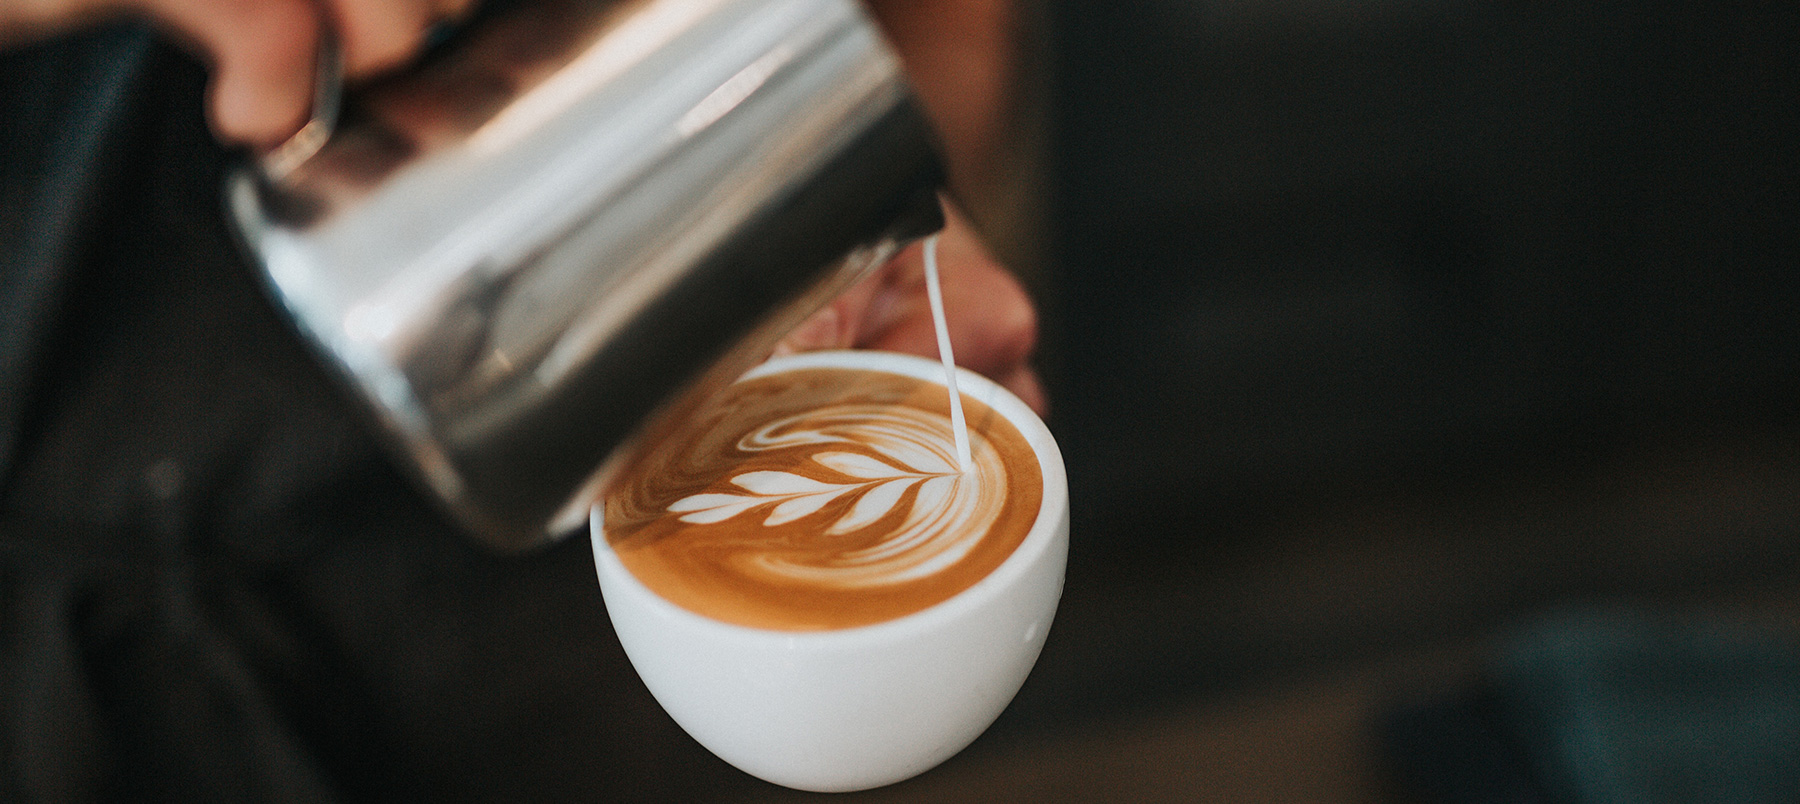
821, 330
262, 56
993, 327
381, 34
991, 319
836, 326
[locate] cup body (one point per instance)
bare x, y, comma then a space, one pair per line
859, 707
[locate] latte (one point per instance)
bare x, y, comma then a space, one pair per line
824, 498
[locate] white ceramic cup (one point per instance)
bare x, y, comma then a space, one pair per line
860, 707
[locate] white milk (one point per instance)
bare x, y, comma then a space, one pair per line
959, 426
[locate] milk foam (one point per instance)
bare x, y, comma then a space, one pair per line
934, 294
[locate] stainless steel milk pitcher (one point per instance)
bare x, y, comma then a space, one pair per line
559, 231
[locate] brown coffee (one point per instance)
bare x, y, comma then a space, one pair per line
824, 498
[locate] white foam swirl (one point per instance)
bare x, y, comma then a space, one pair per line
906, 457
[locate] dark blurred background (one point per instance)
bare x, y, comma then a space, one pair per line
1378, 331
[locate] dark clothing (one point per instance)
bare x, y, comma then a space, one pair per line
213, 584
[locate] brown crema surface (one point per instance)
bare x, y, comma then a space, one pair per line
817, 499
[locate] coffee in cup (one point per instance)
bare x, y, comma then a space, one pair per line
811, 585
824, 498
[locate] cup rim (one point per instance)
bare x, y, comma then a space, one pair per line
1052, 516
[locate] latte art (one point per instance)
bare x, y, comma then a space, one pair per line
824, 498
909, 473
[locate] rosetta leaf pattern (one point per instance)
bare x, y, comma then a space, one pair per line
872, 506
857, 465
776, 484
707, 509
878, 486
